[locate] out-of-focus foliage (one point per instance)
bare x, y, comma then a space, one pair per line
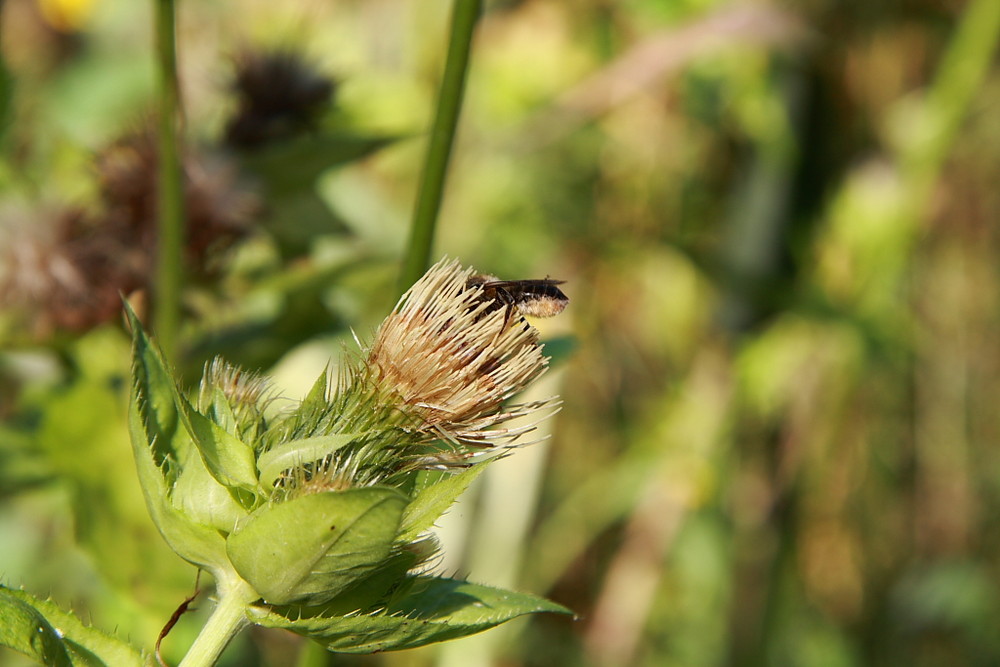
778, 443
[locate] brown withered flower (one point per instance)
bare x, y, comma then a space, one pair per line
60, 271
65, 269
279, 94
219, 209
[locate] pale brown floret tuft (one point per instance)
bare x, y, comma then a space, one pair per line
452, 358
240, 386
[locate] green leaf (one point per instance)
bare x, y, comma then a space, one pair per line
203, 500
154, 386
82, 429
229, 459
153, 423
52, 636
192, 541
294, 166
310, 548
25, 630
432, 501
297, 452
424, 611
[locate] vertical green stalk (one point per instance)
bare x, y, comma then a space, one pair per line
226, 621
963, 68
170, 203
464, 15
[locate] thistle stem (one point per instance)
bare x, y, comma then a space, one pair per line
170, 204
465, 14
227, 619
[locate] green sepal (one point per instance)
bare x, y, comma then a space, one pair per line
299, 452
423, 611
311, 548
52, 636
244, 425
221, 412
432, 501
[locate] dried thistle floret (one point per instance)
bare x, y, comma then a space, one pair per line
452, 359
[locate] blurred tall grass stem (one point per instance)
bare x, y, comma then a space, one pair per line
170, 203
464, 16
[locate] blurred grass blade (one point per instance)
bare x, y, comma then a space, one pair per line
170, 194
229, 460
6, 99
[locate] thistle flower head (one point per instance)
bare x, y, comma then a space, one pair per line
430, 391
451, 357
325, 506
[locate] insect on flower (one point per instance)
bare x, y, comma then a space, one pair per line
535, 298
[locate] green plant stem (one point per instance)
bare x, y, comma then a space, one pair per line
170, 202
963, 68
312, 654
465, 14
228, 618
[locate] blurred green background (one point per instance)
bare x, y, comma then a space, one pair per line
778, 227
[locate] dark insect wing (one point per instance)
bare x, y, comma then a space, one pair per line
540, 282
524, 290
